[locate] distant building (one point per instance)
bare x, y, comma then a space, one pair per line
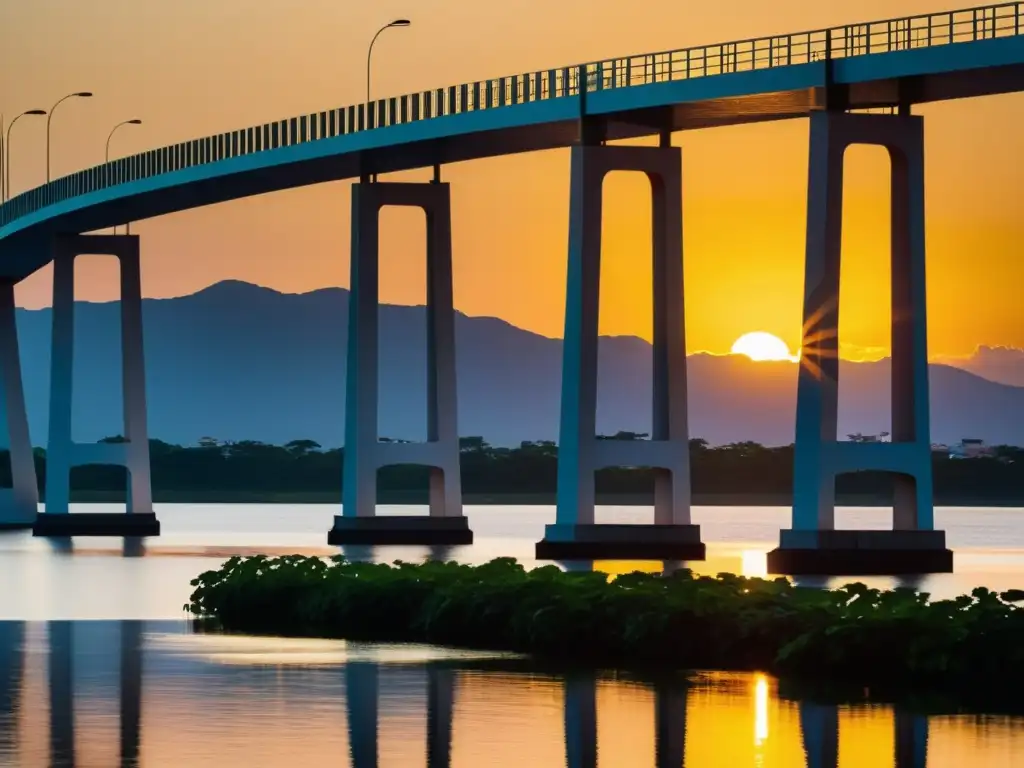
970, 448
857, 437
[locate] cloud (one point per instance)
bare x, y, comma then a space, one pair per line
995, 363
860, 353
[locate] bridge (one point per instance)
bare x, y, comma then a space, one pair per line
856, 84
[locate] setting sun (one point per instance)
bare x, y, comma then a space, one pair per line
762, 346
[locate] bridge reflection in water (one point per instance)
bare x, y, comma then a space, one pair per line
70, 691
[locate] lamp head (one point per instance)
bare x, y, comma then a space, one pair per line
35, 112
83, 94
135, 121
400, 23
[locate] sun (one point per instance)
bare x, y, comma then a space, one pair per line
762, 346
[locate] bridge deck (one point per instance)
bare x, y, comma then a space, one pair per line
911, 60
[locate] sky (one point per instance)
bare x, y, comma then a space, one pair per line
196, 67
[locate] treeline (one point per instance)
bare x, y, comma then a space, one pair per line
303, 466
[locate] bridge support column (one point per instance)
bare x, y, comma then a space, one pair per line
19, 503
813, 546
62, 453
574, 535
364, 454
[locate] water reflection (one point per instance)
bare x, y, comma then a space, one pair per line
61, 669
819, 725
78, 693
362, 689
131, 691
670, 724
581, 722
62, 693
12, 638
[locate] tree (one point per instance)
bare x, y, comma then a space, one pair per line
302, 447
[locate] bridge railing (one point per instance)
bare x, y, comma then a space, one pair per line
901, 34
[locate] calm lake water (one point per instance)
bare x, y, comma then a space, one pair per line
98, 666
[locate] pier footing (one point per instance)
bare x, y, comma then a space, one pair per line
404, 530
621, 542
18, 526
97, 524
860, 553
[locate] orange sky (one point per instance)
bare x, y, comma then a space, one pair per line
195, 67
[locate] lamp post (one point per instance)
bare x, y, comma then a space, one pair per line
106, 155
134, 121
369, 53
7, 143
78, 94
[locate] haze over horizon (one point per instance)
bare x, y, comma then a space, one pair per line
239, 362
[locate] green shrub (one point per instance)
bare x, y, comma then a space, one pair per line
853, 634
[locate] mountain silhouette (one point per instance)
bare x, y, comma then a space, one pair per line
236, 361
1002, 364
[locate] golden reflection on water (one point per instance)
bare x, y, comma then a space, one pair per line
760, 709
129, 693
746, 562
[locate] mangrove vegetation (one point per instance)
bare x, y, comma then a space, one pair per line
853, 635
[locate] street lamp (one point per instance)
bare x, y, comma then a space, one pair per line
134, 121
395, 23
80, 95
369, 52
7, 143
106, 156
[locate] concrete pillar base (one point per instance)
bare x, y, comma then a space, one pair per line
621, 542
96, 524
403, 530
23, 525
860, 553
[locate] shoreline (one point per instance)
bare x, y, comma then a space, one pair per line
522, 499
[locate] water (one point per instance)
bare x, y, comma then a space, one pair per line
99, 668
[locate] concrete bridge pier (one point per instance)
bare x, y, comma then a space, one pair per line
62, 453
574, 535
813, 546
364, 453
19, 504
